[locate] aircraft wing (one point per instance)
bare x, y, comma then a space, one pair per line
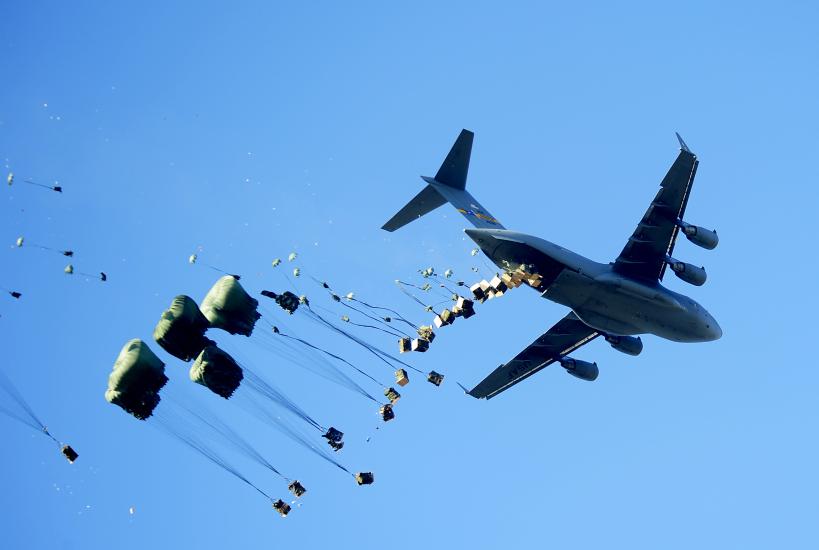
644, 255
566, 336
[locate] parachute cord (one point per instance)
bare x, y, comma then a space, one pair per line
397, 315
333, 373
29, 418
230, 435
308, 344
408, 293
206, 452
378, 320
389, 330
297, 436
372, 349
51, 187
263, 387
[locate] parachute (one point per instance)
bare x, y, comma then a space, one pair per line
181, 329
26, 416
136, 379
227, 306
217, 371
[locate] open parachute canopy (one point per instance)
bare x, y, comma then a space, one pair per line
217, 371
181, 329
227, 306
135, 382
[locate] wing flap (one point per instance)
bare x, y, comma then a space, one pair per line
563, 338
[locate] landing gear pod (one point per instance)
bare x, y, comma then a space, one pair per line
69, 453
364, 478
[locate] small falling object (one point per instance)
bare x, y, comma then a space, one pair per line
192, 259
448, 273
276, 262
296, 272
10, 178
350, 296
475, 251
69, 269
20, 241
292, 256
132, 510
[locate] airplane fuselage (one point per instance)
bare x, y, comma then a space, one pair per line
602, 298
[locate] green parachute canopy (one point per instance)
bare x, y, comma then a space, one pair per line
227, 306
181, 329
217, 371
135, 382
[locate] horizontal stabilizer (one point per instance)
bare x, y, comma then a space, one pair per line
424, 202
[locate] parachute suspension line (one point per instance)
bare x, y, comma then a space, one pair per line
389, 330
296, 355
230, 435
69, 270
382, 355
297, 436
194, 259
263, 387
378, 320
408, 293
56, 188
351, 298
426, 288
339, 358
197, 445
28, 416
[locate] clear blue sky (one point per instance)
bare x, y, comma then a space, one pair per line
255, 131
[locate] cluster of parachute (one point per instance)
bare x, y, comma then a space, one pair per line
138, 377
23, 242
14, 405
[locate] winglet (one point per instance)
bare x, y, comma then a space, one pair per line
683, 146
466, 391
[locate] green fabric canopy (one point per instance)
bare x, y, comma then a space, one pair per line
136, 379
217, 371
181, 329
227, 306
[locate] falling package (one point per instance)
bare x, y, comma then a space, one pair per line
420, 345
281, 507
401, 376
404, 345
297, 489
364, 478
435, 378
386, 412
392, 395
69, 453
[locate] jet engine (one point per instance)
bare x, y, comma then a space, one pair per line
580, 369
689, 273
705, 238
630, 345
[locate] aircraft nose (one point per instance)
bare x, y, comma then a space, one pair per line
713, 328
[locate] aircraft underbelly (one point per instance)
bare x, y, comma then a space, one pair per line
613, 310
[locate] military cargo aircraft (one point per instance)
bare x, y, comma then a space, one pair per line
617, 300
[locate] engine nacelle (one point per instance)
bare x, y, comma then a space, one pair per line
705, 238
689, 273
630, 345
580, 369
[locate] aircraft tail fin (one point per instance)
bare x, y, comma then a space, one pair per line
448, 185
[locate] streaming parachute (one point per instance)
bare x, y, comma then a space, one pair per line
228, 307
20, 410
136, 379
